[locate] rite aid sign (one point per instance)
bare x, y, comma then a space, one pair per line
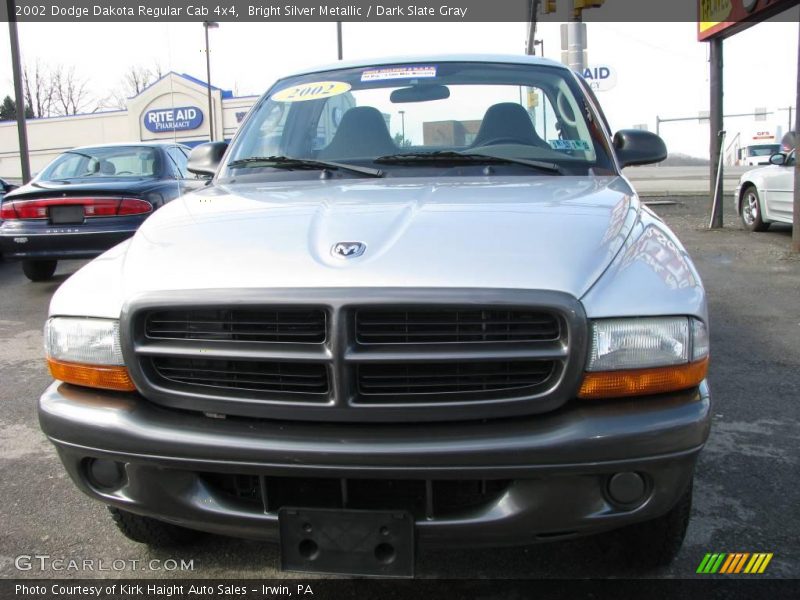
600, 78
173, 119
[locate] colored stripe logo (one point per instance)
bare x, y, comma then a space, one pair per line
734, 563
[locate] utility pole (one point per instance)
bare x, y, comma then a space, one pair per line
575, 42
22, 131
533, 9
209, 25
573, 36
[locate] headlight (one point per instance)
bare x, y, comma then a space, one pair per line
86, 352
632, 357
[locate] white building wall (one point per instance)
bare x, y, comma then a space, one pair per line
47, 138
233, 111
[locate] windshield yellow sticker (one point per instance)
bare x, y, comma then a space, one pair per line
312, 91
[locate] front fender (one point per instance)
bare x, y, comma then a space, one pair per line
651, 276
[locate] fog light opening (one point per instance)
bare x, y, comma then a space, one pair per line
385, 553
627, 489
308, 549
105, 475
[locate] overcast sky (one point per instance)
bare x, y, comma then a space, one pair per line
661, 68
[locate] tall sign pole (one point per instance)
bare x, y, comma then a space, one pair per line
717, 125
796, 209
22, 130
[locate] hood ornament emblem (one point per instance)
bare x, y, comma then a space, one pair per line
348, 249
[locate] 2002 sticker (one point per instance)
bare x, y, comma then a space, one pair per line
312, 91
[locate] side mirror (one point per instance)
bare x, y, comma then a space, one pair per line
205, 158
778, 159
638, 147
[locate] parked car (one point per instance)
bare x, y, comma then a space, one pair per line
87, 200
418, 305
766, 195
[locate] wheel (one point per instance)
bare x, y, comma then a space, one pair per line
751, 210
656, 543
39, 270
151, 531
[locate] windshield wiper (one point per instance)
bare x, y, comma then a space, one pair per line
286, 162
451, 156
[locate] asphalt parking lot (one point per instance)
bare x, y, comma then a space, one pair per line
746, 491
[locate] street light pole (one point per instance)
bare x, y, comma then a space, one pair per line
403, 126
339, 38
209, 25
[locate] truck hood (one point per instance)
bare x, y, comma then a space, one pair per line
555, 233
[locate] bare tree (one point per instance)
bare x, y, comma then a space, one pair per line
135, 80
39, 91
57, 91
70, 92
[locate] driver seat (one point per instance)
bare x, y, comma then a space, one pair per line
362, 133
508, 120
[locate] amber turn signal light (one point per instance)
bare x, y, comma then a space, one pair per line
642, 382
96, 376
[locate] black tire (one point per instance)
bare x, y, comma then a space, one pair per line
656, 543
39, 270
151, 531
750, 210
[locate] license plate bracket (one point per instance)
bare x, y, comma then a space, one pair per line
342, 541
66, 215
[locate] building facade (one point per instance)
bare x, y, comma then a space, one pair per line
173, 108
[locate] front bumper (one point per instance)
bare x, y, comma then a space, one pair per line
556, 465
34, 240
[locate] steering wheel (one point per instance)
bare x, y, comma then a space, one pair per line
124, 173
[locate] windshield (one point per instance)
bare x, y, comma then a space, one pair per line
102, 163
764, 150
358, 116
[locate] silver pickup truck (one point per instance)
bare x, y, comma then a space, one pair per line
417, 304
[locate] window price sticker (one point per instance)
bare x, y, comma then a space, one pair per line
398, 73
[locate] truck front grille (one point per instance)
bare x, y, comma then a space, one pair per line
243, 325
358, 355
447, 325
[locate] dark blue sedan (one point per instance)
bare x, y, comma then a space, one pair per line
88, 200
